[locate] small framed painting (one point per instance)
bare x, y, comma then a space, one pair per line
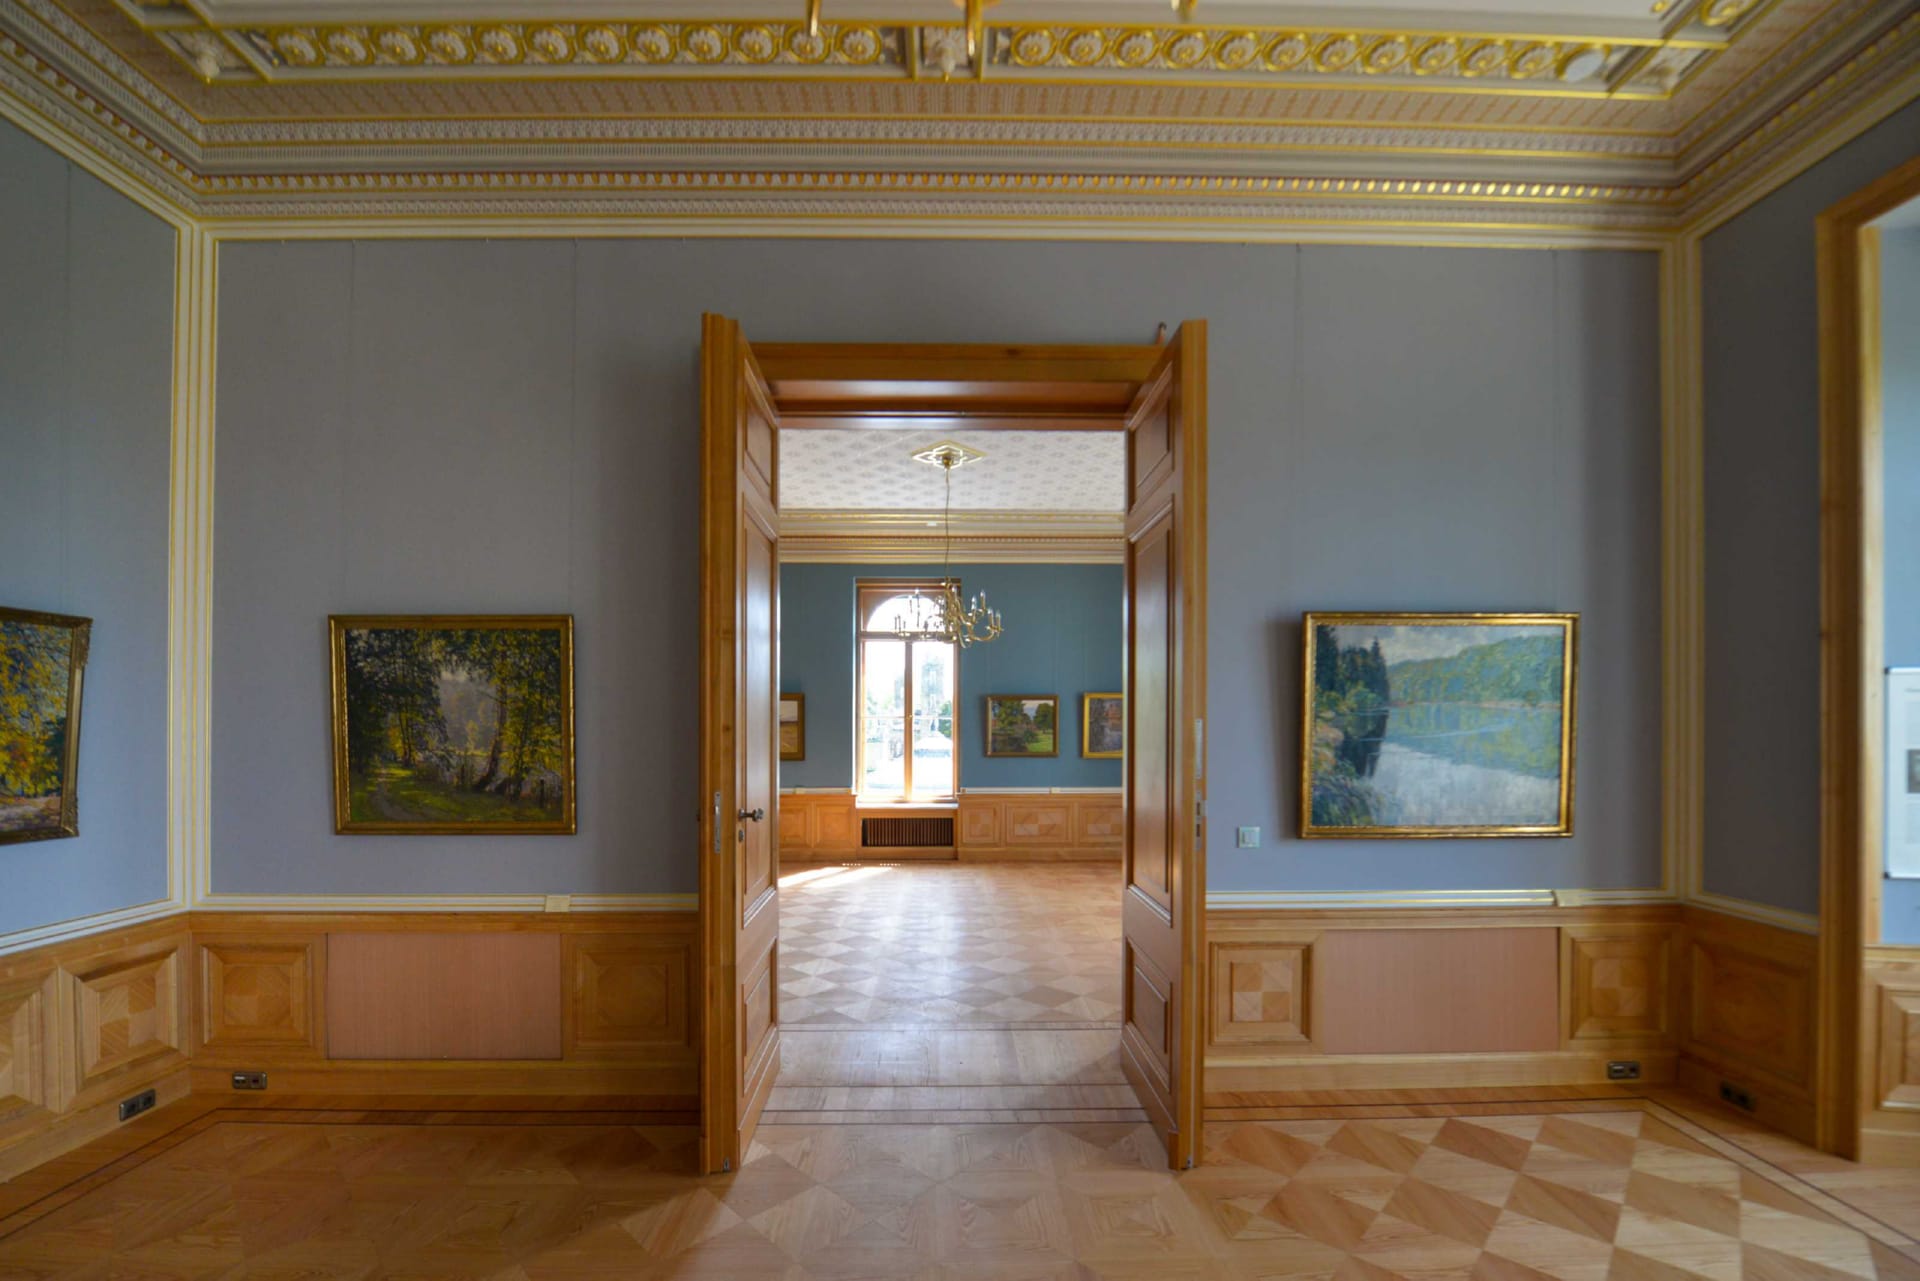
1023, 725
1103, 725
1424, 725
42, 658
793, 727
453, 724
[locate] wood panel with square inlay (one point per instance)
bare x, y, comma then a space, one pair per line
258, 994
1045, 823
1099, 821
128, 1012
1618, 982
1898, 1033
627, 997
24, 1004
1261, 994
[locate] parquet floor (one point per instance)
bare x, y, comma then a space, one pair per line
980, 945
1626, 1190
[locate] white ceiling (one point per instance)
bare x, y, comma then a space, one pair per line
1023, 471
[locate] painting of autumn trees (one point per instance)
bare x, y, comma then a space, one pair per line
453, 724
41, 658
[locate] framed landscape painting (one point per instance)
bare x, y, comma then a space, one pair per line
453, 724
42, 658
1428, 725
793, 727
1023, 725
1103, 725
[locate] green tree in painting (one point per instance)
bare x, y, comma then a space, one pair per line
33, 708
456, 725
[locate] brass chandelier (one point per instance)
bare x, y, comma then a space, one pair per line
941, 616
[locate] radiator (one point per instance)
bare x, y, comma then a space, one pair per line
900, 833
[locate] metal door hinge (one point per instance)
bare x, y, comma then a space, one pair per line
716, 822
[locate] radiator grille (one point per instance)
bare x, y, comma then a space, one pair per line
898, 833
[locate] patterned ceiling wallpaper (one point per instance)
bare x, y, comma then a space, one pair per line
1027, 471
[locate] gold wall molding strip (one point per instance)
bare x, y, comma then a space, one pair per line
1765, 914
1319, 900
190, 569
1682, 569
82, 926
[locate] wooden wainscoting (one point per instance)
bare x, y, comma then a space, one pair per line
589, 1006
1435, 998
988, 827
1890, 1129
85, 1024
1750, 992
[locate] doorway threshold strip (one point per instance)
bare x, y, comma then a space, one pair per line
1106, 1025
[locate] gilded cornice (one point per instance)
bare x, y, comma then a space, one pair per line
1191, 154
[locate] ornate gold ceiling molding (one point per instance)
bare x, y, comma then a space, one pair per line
1482, 60
65, 76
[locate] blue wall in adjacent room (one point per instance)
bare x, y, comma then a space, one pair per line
1760, 336
86, 410
1063, 637
1900, 422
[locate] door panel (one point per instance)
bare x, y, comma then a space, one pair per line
739, 748
1163, 912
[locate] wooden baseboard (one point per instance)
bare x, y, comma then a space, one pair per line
51, 1136
1229, 1082
1772, 1107
640, 1087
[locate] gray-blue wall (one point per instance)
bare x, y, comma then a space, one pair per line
1063, 637
1900, 420
1762, 443
86, 370
433, 426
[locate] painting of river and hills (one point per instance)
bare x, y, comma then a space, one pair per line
1438, 725
453, 724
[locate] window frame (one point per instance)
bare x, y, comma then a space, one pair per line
869, 594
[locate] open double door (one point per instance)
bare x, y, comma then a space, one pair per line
1158, 394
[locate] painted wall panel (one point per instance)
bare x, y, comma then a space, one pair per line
86, 370
1063, 637
1391, 429
1762, 434
1900, 423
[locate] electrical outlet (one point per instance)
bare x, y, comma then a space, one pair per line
1733, 1094
1623, 1069
249, 1080
1248, 838
141, 1102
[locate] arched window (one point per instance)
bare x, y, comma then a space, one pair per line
908, 692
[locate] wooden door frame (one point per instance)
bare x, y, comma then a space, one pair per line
1852, 648
995, 368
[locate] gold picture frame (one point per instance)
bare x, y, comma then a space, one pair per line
43, 661
1103, 730
793, 729
1023, 725
453, 724
1424, 725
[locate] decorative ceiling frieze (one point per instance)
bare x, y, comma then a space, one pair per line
1536, 124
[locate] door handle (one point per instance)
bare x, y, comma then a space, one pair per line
756, 814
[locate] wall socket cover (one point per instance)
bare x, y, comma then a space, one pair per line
1248, 838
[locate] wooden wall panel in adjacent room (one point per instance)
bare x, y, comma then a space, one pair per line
1750, 990
1890, 1130
471, 996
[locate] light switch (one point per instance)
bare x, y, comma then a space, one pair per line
1249, 838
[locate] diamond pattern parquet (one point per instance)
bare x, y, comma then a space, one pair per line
1633, 1193
978, 945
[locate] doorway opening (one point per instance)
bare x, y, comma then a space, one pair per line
950, 810
815, 988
